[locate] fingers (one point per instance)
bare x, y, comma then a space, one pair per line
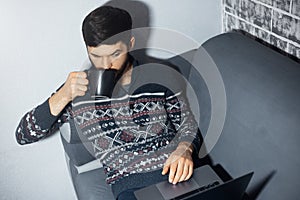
179, 170
79, 90
176, 172
185, 173
179, 165
78, 78
80, 74
166, 168
82, 81
191, 170
173, 169
76, 84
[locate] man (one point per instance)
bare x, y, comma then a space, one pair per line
141, 133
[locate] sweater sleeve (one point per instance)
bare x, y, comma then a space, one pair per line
183, 120
38, 124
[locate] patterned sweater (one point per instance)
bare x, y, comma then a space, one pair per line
133, 132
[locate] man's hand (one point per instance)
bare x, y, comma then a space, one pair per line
180, 163
75, 85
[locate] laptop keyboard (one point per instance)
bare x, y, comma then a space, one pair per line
201, 189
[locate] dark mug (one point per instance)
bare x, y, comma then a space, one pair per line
101, 82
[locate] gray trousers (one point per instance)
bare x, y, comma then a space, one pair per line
91, 185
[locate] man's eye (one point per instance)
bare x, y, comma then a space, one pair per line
116, 54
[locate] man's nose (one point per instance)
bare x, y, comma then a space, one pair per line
106, 63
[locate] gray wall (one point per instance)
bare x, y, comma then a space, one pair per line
40, 44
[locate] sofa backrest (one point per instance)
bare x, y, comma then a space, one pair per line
261, 132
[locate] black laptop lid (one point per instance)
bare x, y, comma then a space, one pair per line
231, 190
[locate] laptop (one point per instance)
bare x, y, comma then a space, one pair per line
204, 184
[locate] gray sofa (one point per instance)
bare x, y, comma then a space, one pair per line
261, 125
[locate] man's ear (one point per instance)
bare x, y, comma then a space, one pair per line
131, 43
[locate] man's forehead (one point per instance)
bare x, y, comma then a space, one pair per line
106, 49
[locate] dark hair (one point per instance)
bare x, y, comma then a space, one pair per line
104, 22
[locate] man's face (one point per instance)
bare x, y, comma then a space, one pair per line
109, 56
